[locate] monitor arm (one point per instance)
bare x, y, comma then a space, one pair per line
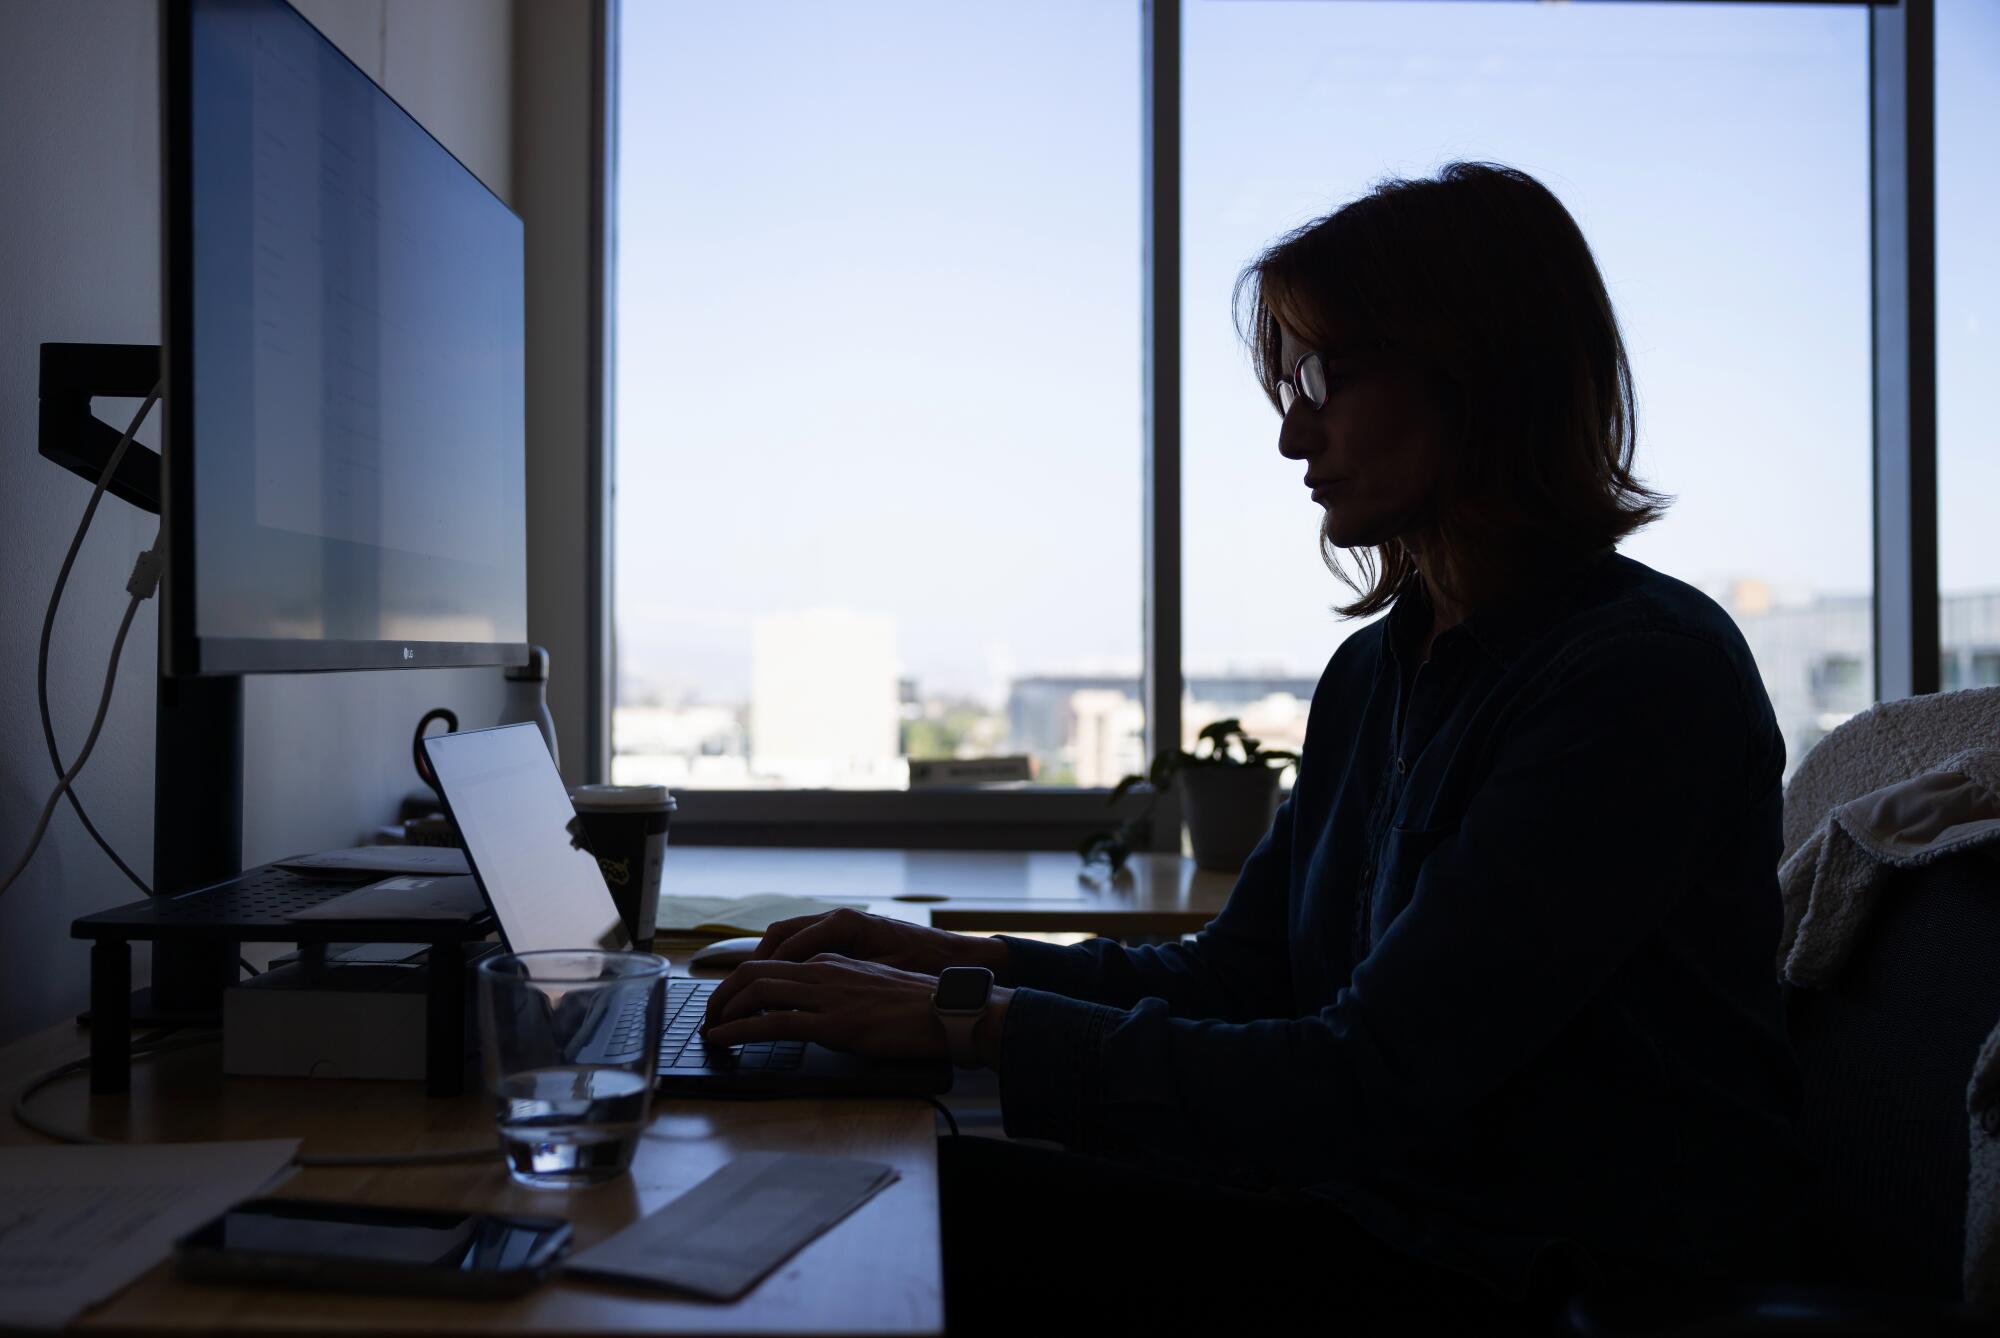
77, 439
198, 722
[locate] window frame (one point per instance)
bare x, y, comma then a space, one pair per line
1902, 159
1907, 655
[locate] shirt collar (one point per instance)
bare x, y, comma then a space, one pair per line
1506, 628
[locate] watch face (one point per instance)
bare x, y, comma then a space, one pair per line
962, 987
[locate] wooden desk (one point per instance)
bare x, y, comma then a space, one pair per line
1004, 890
878, 1271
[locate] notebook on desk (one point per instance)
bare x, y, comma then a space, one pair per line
502, 790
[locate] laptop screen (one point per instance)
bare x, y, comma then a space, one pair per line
503, 790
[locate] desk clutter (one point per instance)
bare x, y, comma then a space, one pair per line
726, 1234
78, 1224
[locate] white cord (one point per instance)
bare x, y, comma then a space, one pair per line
145, 579
147, 1047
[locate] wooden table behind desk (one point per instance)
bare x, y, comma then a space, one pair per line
877, 1271
974, 889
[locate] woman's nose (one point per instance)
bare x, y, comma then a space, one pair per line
1294, 436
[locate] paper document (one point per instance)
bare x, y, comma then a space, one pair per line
405, 898
738, 915
730, 1230
78, 1223
382, 859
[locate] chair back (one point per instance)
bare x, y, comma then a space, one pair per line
1885, 1056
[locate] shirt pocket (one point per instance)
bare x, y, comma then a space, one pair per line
1404, 851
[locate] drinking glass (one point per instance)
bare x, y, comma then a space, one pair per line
570, 1040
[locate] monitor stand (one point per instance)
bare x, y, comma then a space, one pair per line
197, 839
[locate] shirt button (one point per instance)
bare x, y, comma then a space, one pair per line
1402, 768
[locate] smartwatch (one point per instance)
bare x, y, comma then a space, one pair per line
959, 1002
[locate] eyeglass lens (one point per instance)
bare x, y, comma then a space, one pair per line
1312, 380
1308, 378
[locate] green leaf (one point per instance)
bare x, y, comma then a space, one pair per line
1124, 787
1219, 731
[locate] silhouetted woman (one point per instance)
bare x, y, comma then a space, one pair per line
1491, 1012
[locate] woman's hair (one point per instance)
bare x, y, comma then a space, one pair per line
1481, 281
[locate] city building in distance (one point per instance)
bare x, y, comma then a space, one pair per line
832, 708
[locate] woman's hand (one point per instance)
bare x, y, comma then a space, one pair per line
872, 938
864, 1007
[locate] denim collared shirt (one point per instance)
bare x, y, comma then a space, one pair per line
1501, 975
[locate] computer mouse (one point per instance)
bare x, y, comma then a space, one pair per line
724, 953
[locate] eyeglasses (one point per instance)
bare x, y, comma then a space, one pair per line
1307, 382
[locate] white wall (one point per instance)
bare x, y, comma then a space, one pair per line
327, 756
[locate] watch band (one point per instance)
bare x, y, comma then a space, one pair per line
958, 1029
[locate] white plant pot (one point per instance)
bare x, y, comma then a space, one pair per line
1228, 809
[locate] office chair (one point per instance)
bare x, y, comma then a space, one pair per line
1886, 1056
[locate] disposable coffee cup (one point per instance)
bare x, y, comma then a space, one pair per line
626, 826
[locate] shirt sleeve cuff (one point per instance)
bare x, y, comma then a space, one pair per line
1049, 1064
1049, 966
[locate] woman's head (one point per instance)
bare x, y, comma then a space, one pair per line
1478, 413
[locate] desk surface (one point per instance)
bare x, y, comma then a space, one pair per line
1017, 890
878, 1271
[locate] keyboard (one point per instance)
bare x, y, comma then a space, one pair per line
681, 1048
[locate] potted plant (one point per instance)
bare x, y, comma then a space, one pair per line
1230, 787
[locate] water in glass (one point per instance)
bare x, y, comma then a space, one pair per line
571, 1125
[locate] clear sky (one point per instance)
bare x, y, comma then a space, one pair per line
879, 300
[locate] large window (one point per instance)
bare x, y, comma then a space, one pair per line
882, 405
1968, 335
1716, 157
878, 390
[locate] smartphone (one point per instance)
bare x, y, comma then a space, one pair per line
362, 1247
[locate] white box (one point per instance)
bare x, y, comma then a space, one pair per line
332, 1021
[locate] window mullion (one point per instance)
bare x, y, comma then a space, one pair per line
1160, 331
1903, 242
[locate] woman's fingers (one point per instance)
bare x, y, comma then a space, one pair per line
837, 931
749, 974
779, 932
768, 992
833, 1000
782, 1025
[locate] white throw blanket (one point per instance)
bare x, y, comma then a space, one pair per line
1832, 882
1888, 742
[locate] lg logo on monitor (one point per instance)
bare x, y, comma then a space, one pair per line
409, 654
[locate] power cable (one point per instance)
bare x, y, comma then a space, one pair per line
945, 1111
48, 632
145, 579
155, 1044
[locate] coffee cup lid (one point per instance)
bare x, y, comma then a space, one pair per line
622, 796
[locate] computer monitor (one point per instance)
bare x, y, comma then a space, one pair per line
344, 471
343, 480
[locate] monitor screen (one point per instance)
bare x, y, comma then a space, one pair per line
345, 359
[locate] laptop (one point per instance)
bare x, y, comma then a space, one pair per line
543, 886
